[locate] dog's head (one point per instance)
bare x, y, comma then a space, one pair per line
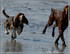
65, 9
20, 18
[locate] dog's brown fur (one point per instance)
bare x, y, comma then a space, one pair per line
61, 20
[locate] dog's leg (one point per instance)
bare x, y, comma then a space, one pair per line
60, 33
6, 31
62, 38
20, 31
5, 26
50, 22
53, 30
13, 32
45, 28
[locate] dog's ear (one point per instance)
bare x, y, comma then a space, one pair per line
17, 18
25, 20
65, 7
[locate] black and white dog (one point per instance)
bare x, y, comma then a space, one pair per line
14, 23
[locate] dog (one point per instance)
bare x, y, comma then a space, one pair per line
14, 23
61, 20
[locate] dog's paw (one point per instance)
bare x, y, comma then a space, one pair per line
52, 34
18, 33
44, 31
7, 33
63, 45
13, 37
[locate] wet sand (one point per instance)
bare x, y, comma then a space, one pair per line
31, 40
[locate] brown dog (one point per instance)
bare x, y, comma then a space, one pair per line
61, 20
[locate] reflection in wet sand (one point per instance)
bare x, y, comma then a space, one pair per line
12, 46
59, 50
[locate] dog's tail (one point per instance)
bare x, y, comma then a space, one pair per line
3, 11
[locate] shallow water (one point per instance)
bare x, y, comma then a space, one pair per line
31, 39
